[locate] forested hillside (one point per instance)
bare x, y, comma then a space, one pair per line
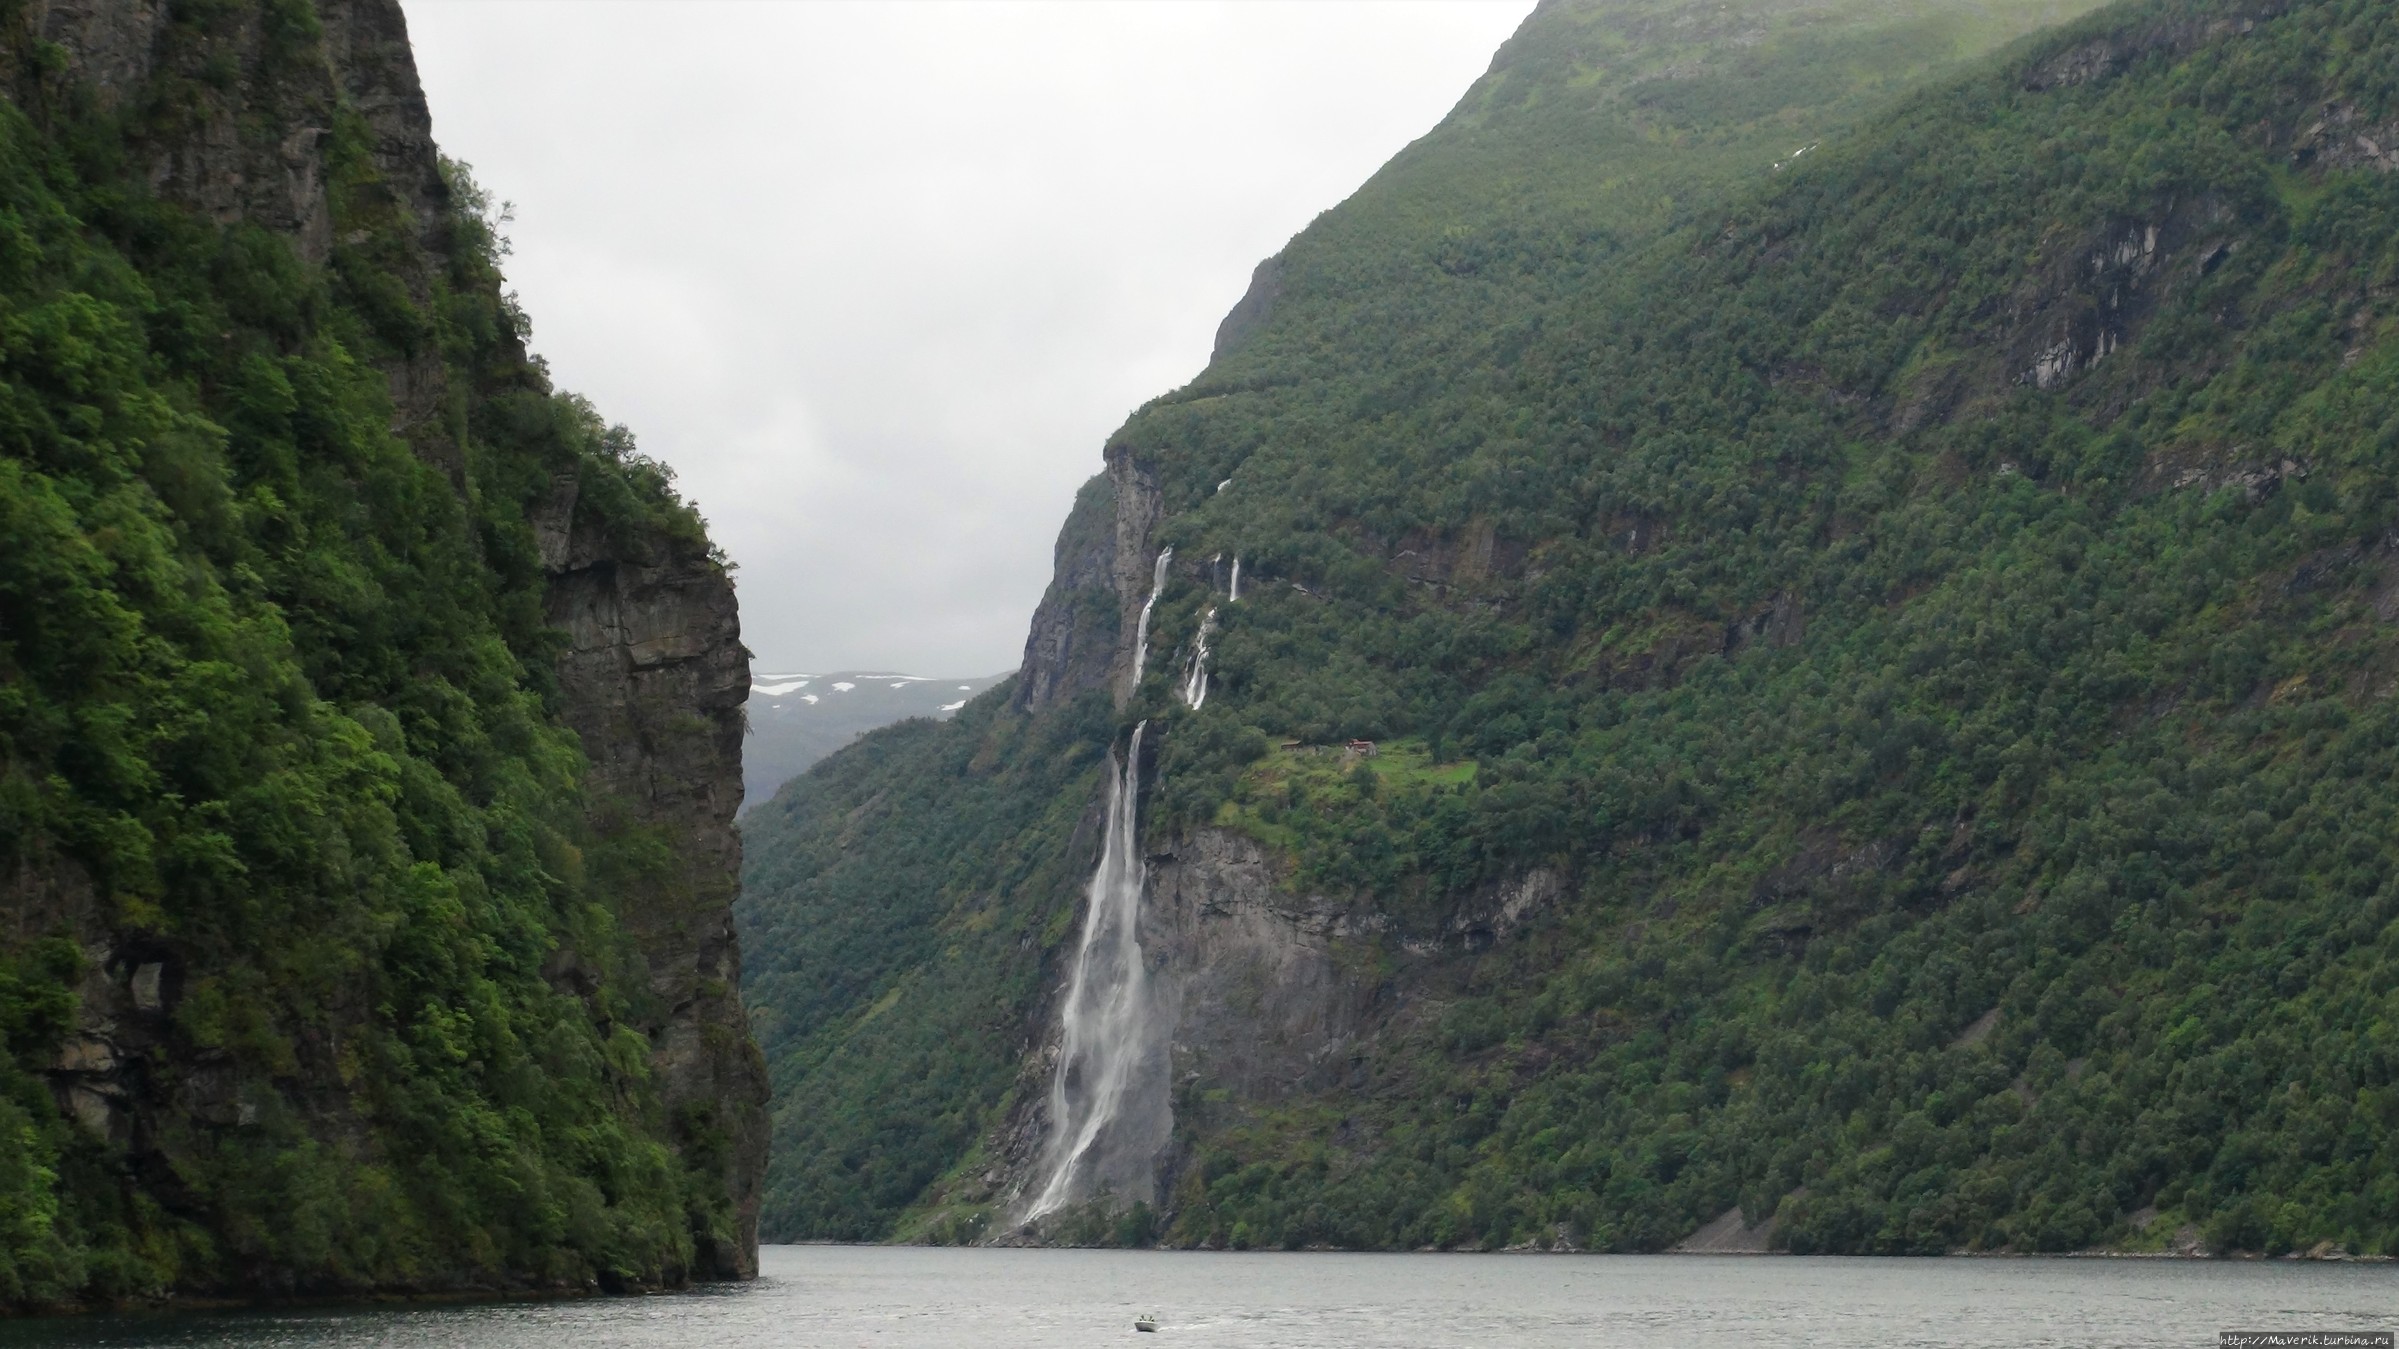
1881, 669
323, 893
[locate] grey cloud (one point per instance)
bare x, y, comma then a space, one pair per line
878, 279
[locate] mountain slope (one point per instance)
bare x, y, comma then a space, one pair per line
797, 719
369, 712
1594, 123
1883, 703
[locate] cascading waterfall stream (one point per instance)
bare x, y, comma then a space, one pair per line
1141, 630
1195, 683
1108, 1107
1103, 1132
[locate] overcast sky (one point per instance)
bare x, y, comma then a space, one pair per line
878, 279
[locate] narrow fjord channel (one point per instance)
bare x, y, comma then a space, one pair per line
824, 1297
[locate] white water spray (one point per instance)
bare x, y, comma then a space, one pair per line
1236, 597
1141, 630
1109, 1112
1195, 682
1108, 1103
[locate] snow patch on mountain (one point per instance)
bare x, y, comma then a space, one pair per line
795, 719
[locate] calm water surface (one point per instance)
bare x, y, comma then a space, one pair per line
884, 1296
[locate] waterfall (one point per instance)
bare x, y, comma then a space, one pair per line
1109, 1111
1195, 683
1236, 599
1141, 630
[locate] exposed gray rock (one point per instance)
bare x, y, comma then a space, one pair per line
2093, 297
1729, 1234
146, 996
1074, 630
111, 43
654, 677
2342, 139
2169, 35
1082, 634
1247, 997
1138, 507
1256, 998
254, 147
1261, 993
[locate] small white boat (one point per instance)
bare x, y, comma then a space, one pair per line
1145, 1321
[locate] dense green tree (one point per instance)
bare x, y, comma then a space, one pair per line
1932, 600
275, 700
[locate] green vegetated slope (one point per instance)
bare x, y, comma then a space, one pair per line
1934, 610
277, 719
900, 903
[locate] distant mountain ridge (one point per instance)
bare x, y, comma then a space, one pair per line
797, 719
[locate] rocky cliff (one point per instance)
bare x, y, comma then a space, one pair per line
374, 737
1082, 631
654, 676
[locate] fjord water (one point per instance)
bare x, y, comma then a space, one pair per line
1039, 1299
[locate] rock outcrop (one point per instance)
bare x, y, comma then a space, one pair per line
653, 680
1073, 636
1082, 633
253, 148
1260, 1004
654, 676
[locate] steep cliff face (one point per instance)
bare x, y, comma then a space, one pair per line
254, 148
368, 776
653, 679
1263, 992
1073, 638
1269, 992
1252, 995
1276, 992
1083, 630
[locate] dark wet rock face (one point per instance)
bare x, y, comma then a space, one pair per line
1073, 636
654, 677
1082, 634
1262, 1006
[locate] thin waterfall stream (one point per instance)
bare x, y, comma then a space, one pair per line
1195, 682
1102, 1136
1108, 1101
1141, 630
